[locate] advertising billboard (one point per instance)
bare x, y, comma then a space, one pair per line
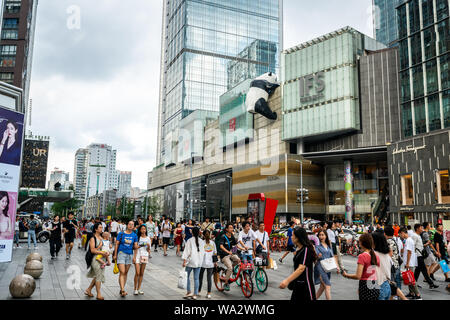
11, 135
34, 166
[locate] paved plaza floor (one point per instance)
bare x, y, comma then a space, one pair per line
66, 279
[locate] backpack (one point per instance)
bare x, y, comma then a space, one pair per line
89, 255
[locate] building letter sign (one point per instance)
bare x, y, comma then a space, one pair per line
312, 87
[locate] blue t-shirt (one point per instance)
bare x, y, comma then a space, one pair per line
289, 234
127, 242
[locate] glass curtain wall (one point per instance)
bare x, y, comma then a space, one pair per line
424, 63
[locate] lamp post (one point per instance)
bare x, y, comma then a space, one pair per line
301, 190
191, 202
231, 199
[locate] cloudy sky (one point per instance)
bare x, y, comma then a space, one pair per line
97, 79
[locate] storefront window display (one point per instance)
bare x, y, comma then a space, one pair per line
442, 187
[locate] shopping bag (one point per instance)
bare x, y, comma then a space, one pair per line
444, 266
116, 268
83, 239
182, 279
408, 278
328, 264
275, 267
270, 263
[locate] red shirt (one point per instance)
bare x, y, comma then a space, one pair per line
396, 229
369, 271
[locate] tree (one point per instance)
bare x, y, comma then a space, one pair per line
154, 205
129, 208
110, 210
63, 207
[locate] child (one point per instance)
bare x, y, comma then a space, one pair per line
106, 247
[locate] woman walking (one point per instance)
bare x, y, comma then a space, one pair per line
143, 252
178, 238
322, 277
208, 262
96, 272
193, 255
151, 231
301, 280
125, 253
383, 251
366, 271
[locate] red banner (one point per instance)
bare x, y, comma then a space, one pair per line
269, 213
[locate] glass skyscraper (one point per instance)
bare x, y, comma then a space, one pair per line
385, 21
424, 39
208, 47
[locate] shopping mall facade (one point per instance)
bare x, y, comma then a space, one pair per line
338, 109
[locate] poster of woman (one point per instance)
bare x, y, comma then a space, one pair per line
8, 202
11, 128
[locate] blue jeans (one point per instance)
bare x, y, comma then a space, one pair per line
247, 258
196, 279
398, 278
32, 234
385, 291
16, 237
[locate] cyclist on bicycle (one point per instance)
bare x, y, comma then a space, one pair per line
228, 258
247, 242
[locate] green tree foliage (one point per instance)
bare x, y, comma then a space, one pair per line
66, 206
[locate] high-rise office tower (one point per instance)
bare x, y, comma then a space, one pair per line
385, 21
424, 40
124, 188
101, 170
16, 44
80, 173
59, 176
207, 47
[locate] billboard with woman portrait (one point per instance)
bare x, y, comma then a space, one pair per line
11, 139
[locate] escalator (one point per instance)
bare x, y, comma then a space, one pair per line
380, 210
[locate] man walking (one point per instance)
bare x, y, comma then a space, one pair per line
32, 225
69, 228
290, 244
441, 250
421, 268
410, 262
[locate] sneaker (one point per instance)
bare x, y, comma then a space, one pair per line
281, 261
433, 286
136, 292
417, 298
53, 258
194, 297
67, 257
410, 296
141, 292
432, 277
226, 287
447, 280
208, 296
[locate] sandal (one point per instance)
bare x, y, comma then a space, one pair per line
90, 295
123, 293
100, 298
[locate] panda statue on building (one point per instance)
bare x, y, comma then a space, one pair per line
258, 94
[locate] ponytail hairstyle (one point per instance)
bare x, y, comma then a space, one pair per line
366, 241
302, 238
195, 233
207, 235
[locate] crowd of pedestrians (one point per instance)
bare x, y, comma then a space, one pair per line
387, 253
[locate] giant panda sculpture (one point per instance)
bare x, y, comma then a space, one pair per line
258, 94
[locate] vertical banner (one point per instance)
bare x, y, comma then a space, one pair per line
348, 186
269, 214
11, 137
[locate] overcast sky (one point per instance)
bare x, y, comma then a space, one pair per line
100, 82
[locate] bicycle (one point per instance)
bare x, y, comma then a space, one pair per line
242, 278
259, 274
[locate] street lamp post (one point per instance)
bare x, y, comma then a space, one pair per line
301, 190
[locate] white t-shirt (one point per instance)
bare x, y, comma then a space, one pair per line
384, 270
17, 226
409, 246
247, 238
331, 235
166, 227
410, 233
418, 244
114, 226
263, 237
143, 245
104, 226
105, 246
210, 250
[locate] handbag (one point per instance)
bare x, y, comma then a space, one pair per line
116, 268
328, 264
182, 279
408, 278
215, 258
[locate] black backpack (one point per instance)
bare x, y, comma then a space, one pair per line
89, 255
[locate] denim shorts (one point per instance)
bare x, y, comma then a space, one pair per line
123, 258
385, 291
